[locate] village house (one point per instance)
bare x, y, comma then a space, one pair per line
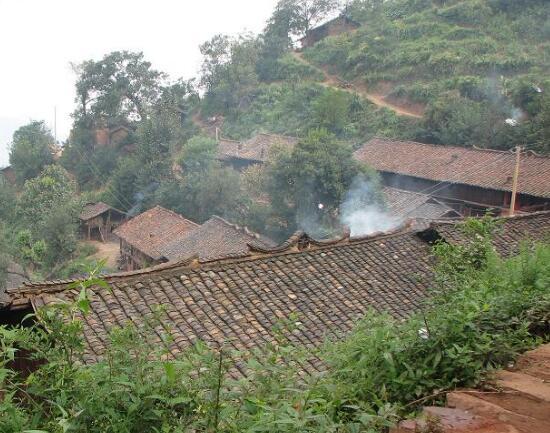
237, 301
214, 239
470, 180
8, 173
421, 208
336, 26
256, 150
98, 220
144, 237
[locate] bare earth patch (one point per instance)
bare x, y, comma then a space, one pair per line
109, 251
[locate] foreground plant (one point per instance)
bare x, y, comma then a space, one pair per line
484, 311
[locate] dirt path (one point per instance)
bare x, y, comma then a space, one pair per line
514, 401
378, 99
109, 251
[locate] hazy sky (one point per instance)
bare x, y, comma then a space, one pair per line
39, 38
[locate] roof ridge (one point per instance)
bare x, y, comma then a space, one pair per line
272, 134
439, 146
229, 139
517, 216
28, 285
510, 152
178, 215
241, 229
255, 253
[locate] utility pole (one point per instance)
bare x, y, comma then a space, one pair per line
515, 181
55, 123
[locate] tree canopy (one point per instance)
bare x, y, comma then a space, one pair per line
31, 150
120, 87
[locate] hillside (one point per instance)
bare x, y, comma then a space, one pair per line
458, 69
471, 72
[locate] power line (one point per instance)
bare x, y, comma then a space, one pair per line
96, 172
453, 181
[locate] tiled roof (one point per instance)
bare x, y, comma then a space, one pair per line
152, 230
329, 285
510, 233
91, 210
216, 238
228, 148
489, 169
407, 204
256, 148
237, 301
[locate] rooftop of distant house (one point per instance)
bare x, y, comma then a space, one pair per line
237, 301
258, 148
484, 168
331, 20
92, 210
509, 235
214, 239
408, 204
152, 230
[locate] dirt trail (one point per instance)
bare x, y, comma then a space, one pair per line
360, 89
109, 251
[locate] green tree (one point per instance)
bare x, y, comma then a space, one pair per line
4, 257
59, 232
274, 42
305, 14
121, 87
123, 186
44, 194
30, 150
205, 187
90, 165
308, 184
332, 110
49, 209
228, 71
7, 200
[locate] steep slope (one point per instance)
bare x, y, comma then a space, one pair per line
331, 80
472, 64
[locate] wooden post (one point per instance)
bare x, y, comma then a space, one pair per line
515, 181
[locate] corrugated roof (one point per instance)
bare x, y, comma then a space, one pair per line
489, 169
153, 230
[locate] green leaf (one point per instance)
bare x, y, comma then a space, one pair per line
170, 371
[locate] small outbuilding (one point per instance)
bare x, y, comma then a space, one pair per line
336, 26
98, 220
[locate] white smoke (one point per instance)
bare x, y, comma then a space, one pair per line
362, 213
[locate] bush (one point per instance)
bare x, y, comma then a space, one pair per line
484, 311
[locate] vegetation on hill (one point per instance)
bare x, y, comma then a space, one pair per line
475, 71
472, 63
384, 370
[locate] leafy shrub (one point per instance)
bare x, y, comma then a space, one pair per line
468, 12
483, 312
289, 69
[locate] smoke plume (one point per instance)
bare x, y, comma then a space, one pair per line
362, 212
